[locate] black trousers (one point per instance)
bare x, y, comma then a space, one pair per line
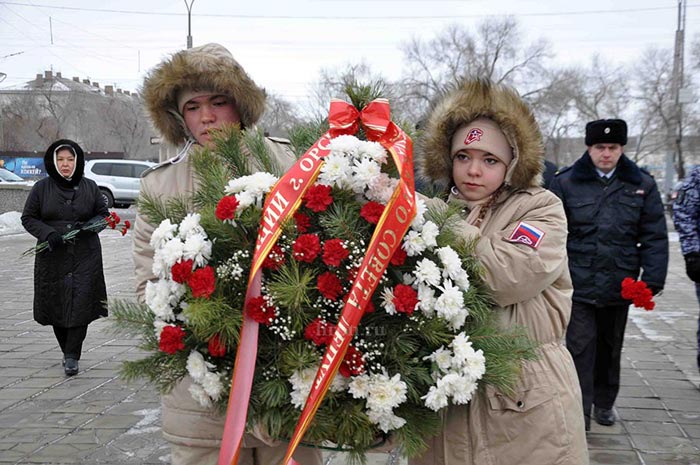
594, 337
71, 340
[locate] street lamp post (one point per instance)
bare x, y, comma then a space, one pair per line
189, 23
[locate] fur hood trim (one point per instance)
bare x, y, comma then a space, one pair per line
208, 67
481, 98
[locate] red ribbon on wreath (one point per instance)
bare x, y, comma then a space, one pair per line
639, 293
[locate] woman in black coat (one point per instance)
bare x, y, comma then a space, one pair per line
69, 285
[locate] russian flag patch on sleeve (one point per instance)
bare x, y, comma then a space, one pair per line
527, 234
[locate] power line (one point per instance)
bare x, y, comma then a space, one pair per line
379, 18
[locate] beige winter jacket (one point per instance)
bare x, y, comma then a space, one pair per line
542, 422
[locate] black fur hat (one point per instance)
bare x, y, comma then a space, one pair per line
606, 131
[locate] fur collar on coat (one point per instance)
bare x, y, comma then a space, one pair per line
466, 102
209, 67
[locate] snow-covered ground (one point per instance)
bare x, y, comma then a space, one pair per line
10, 223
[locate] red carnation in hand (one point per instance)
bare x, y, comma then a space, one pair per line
216, 347
318, 198
182, 271
352, 364
275, 259
319, 332
399, 257
260, 310
171, 339
638, 292
202, 282
372, 211
329, 285
226, 208
303, 222
405, 299
334, 252
306, 248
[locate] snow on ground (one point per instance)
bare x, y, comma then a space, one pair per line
10, 223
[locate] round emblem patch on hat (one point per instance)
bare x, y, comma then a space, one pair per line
606, 130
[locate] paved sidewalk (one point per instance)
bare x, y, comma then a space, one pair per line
95, 418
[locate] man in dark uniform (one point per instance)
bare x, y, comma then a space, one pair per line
616, 229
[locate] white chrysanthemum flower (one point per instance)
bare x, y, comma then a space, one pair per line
375, 151
301, 382
190, 225
164, 232
462, 280
457, 319
449, 383
338, 384
426, 300
387, 301
435, 399
413, 243
345, 144
200, 395
386, 393
419, 219
336, 171
365, 171
450, 302
430, 233
198, 249
381, 188
245, 200
359, 387
212, 385
386, 421
197, 367
171, 252
442, 358
475, 366
259, 184
451, 263
427, 272
158, 299
462, 389
462, 347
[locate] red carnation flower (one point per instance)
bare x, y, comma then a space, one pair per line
638, 292
352, 364
171, 339
405, 299
319, 332
306, 248
303, 222
334, 252
318, 198
182, 271
127, 224
216, 347
329, 285
275, 259
226, 208
260, 310
372, 211
123, 230
202, 282
399, 257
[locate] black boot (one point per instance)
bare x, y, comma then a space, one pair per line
604, 416
71, 367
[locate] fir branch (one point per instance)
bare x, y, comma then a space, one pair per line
212, 175
129, 318
208, 317
161, 369
297, 356
262, 159
305, 135
292, 286
362, 94
229, 146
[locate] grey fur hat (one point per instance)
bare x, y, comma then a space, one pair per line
208, 67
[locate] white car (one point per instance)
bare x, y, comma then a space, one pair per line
119, 180
9, 178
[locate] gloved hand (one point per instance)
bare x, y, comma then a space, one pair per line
692, 266
55, 241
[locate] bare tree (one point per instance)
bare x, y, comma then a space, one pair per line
279, 117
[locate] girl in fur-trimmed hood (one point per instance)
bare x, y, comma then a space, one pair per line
483, 146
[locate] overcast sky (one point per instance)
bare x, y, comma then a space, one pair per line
284, 44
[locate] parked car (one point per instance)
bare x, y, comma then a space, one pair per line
10, 178
119, 180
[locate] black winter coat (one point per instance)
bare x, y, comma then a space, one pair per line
615, 229
69, 285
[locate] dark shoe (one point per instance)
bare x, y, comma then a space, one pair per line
604, 416
71, 367
587, 420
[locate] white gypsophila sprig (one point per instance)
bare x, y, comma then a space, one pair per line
189, 226
164, 232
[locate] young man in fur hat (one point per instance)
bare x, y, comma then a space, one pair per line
616, 228
189, 96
